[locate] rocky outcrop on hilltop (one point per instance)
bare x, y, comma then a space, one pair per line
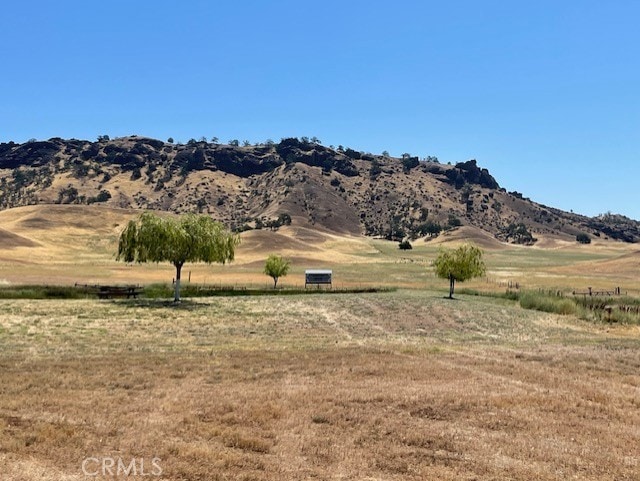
251, 185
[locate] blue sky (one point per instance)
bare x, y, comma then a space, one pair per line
544, 94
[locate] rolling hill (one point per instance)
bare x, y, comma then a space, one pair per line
297, 182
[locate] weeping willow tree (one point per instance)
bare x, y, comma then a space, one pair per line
190, 238
459, 264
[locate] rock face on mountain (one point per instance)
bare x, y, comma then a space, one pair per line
298, 181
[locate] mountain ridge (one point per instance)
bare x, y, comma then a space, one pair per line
299, 181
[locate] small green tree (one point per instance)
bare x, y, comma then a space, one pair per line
459, 264
276, 267
190, 238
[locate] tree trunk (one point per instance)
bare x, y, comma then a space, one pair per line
275, 282
176, 295
452, 281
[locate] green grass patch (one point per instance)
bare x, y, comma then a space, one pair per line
625, 310
42, 292
534, 300
540, 301
165, 291
161, 291
509, 294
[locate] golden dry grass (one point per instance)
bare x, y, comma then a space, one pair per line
403, 385
400, 385
64, 244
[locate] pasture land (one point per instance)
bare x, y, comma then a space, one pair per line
65, 244
391, 385
394, 385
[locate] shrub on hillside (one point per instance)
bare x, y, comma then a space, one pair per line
583, 238
103, 196
409, 163
453, 221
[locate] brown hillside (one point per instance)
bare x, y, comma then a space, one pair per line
335, 191
471, 234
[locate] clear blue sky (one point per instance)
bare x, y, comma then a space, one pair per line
545, 94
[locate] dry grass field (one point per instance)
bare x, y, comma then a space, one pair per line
65, 244
386, 386
400, 385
